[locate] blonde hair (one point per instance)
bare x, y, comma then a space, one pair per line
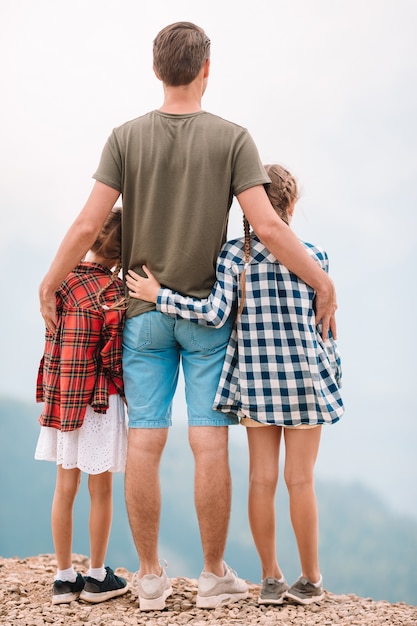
108, 245
282, 191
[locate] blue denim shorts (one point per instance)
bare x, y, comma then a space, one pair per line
154, 346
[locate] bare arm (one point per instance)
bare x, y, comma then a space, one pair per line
211, 311
279, 239
75, 244
143, 288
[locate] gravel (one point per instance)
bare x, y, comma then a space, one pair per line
25, 600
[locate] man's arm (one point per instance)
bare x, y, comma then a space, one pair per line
78, 240
279, 239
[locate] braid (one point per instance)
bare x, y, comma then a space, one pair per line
282, 190
118, 305
242, 278
246, 229
108, 246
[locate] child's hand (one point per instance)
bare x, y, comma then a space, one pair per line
142, 288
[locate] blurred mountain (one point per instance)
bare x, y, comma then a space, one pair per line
365, 548
373, 444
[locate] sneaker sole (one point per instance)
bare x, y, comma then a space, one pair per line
304, 600
212, 602
271, 600
154, 604
65, 598
90, 596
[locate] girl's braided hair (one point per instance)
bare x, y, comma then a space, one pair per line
108, 245
281, 191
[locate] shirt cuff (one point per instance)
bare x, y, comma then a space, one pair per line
162, 300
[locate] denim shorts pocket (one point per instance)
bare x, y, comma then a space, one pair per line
137, 332
209, 339
149, 331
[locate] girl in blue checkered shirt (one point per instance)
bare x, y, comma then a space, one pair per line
280, 376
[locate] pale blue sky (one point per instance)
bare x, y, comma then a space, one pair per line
328, 88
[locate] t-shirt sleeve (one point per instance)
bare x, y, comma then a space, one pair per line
248, 170
110, 168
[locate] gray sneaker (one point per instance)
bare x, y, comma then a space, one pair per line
153, 590
214, 591
272, 591
304, 592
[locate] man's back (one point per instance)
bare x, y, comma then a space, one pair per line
178, 174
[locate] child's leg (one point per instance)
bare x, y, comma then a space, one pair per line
101, 509
101, 583
301, 449
264, 444
67, 483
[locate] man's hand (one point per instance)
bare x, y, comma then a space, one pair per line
48, 309
325, 309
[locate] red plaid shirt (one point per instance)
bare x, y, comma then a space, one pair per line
82, 361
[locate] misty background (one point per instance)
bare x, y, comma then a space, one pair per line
329, 90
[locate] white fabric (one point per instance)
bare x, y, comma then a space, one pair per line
100, 444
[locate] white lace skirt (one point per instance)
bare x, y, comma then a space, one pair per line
100, 444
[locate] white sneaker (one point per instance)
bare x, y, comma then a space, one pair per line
214, 591
153, 590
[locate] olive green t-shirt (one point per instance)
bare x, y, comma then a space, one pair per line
177, 175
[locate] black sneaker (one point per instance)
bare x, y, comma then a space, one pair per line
304, 592
64, 591
99, 591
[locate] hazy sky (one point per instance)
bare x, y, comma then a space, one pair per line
328, 88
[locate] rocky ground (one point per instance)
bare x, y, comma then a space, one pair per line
25, 600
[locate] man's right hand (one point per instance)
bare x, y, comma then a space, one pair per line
48, 309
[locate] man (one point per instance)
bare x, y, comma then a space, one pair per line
177, 169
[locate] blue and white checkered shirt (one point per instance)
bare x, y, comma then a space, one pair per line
277, 368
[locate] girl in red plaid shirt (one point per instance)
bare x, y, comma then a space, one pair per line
83, 424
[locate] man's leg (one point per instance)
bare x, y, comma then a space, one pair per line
218, 584
212, 491
143, 495
203, 352
150, 370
